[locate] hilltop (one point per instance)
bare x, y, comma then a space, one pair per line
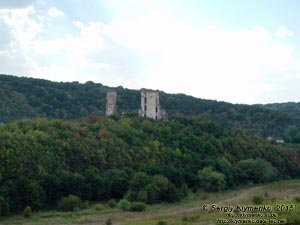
36, 98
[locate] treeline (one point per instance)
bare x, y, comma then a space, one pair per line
138, 159
35, 98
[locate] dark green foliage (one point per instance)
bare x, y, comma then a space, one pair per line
112, 203
162, 222
142, 196
254, 170
139, 181
297, 199
99, 207
257, 199
85, 205
68, 204
153, 193
35, 98
21, 192
117, 180
100, 187
190, 218
76, 184
138, 206
152, 161
293, 219
108, 222
184, 191
172, 194
124, 204
292, 134
4, 207
27, 212
211, 180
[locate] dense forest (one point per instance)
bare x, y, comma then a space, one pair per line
35, 98
99, 158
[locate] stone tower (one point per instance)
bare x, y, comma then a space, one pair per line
111, 103
150, 107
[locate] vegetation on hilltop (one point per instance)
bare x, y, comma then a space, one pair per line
143, 160
35, 98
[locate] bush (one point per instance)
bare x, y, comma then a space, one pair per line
190, 218
211, 180
172, 194
257, 199
184, 191
142, 196
293, 219
99, 207
4, 207
27, 212
85, 205
67, 204
112, 203
297, 199
162, 222
138, 206
124, 204
108, 222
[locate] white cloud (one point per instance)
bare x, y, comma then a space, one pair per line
207, 62
22, 26
54, 12
156, 50
284, 32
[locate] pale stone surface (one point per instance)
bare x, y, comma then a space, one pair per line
150, 106
111, 103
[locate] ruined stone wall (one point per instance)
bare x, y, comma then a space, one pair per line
111, 103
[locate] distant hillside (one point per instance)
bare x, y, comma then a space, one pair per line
287, 107
33, 98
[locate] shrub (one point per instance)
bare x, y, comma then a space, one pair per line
142, 196
69, 203
257, 199
138, 206
4, 207
112, 203
293, 219
85, 205
124, 204
297, 199
153, 193
108, 222
190, 218
184, 191
99, 207
162, 222
211, 180
172, 194
27, 212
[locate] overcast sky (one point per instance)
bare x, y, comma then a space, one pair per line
240, 51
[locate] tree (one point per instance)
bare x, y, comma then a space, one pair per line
254, 170
211, 180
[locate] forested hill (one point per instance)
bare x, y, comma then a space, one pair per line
35, 98
287, 107
152, 161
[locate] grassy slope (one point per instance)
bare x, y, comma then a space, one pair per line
190, 208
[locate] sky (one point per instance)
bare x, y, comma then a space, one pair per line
239, 51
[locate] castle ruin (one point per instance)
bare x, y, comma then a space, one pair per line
150, 106
111, 103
